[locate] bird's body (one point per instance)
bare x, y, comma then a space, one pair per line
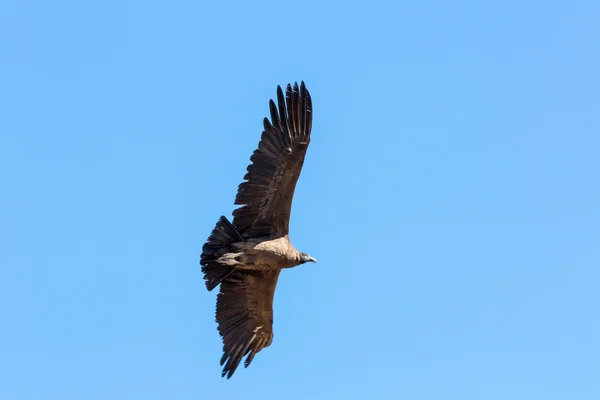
262, 254
246, 256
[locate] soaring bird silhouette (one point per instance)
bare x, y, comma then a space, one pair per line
245, 257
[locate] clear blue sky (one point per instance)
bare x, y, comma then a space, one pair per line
451, 195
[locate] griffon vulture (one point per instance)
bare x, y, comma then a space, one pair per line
246, 256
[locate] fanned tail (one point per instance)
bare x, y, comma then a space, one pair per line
218, 243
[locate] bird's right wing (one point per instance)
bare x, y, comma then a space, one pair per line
266, 196
245, 315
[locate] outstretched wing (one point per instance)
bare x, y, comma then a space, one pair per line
266, 195
245, 316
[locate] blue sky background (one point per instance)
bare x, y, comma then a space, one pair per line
450, 194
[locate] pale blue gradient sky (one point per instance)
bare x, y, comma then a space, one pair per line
450, 194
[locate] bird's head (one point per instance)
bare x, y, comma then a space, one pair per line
304, 258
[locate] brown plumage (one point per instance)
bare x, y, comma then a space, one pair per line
245, 257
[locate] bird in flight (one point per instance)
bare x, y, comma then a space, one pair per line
246, 256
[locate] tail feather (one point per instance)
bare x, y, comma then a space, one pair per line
218, 243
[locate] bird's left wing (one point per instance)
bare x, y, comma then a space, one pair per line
245, 316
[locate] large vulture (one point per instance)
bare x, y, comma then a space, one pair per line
245, 257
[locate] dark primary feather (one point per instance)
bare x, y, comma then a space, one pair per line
266, 195
245, 316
